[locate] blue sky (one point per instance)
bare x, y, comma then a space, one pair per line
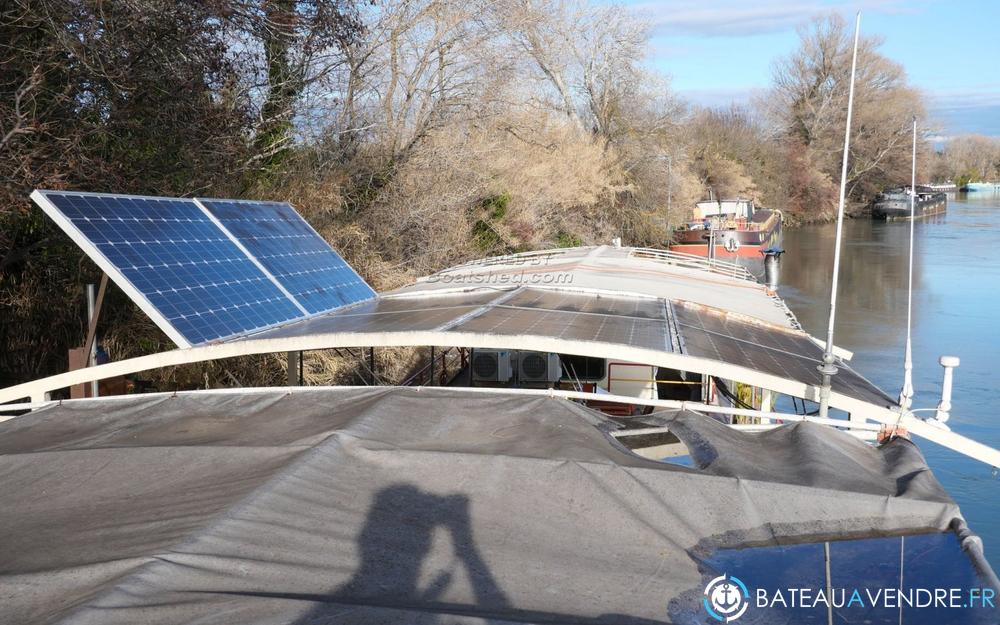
720, 51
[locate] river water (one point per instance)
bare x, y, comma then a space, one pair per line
956, 311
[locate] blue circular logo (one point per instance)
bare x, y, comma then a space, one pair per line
726, 598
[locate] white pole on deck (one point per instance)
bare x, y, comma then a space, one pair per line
906, 393
828, 368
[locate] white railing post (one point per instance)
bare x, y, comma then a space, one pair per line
944, 406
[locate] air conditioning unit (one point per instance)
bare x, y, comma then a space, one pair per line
491, 365
538, 367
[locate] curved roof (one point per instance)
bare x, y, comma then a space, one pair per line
393, 505
732, 340
626, 271
631, 297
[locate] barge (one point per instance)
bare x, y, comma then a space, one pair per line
728, 229
895, 203
981, 187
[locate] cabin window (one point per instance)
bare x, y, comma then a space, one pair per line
583, 368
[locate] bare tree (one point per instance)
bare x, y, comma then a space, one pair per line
970, 158
809, 101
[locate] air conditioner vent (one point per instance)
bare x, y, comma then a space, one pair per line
490, 365
538, 367
534, 366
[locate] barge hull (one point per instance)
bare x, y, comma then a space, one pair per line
893, 213
751, 242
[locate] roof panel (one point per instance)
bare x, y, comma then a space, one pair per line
594, 303
623, 271
576, 316
574, 326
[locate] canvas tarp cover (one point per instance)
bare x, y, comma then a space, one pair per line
408, 506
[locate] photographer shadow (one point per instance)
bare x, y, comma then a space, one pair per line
394, 547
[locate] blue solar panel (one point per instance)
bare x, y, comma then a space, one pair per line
200, 283
299, 259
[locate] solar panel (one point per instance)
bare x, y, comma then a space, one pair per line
574, 326
291, 251
196, 279
713, 334
169, 256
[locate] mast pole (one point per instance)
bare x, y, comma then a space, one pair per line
906, 394
828, 368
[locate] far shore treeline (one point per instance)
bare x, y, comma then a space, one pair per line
412, 134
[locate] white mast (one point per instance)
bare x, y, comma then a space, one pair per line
906, 394
828, 368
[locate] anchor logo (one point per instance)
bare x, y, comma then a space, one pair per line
726, 598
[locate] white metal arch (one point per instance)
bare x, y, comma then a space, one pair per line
38, 390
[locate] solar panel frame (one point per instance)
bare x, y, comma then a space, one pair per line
90, 245
318, 298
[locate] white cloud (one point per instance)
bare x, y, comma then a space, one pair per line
742, 18
720, 98
971, 97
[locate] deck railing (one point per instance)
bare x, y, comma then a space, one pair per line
690, 261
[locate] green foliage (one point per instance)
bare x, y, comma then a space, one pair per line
485, 237
568, 239
496, 206
967, 177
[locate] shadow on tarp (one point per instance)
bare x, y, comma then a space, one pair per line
397, 537
918, 561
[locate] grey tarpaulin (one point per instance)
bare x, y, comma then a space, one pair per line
407, 506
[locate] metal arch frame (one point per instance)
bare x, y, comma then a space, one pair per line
419, 338
860, 410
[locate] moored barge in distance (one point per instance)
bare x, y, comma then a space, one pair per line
981, 187
728, 229
612, 418
895, 203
